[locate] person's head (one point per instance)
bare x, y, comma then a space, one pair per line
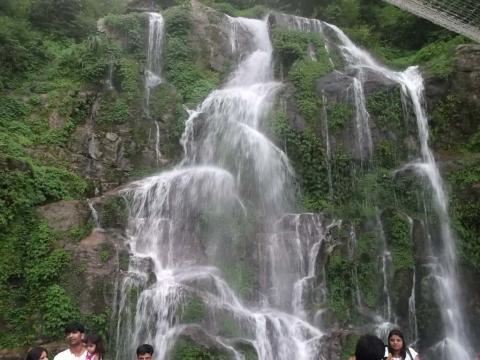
145, 352
74, 332
396, 343
369, 347
95, 345
37, 353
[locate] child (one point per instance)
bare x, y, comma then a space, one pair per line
95, 349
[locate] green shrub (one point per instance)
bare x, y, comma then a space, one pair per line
114, 212
437, 57
132, 27
304, 75
182, 69
113, 110
193, 311
188, 350
57, 309
61, 17
20, 49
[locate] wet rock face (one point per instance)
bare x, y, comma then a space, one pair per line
91, 277
467, 71
95, 289
194, 342
108, 156
211, 36
65, 215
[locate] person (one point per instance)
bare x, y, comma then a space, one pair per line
145, 352
37, 353
398, 349
369, 347
75, 333
95, 348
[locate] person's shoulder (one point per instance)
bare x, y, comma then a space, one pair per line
413, 352
62, 355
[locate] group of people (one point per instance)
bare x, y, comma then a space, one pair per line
370, 347
80, 346
90, 347
83, 347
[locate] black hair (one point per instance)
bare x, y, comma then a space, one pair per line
35, 353
74, 326
403, 350
98, 342
369, 347
145, 349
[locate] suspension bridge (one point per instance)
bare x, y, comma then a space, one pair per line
460, 16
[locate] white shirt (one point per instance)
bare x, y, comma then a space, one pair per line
68, 355
407, 357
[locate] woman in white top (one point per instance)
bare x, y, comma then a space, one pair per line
397, 349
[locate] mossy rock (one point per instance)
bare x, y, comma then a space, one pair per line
186, 349
114, 212
193, 310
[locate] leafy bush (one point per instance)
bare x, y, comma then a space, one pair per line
132, 28
113, 110
304, 74
61, 17
436, 57
192, 81
32, 303
20, 49
57, 310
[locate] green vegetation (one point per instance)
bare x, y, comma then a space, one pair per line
192, 80
248, 9
188, 350
340, 286
435, 58
193, 311
338, 115
306, 152
397, 230
30, 268
132, 29
114, 212
292, 48
466, 209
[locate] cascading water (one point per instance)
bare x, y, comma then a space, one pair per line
230, 171
153, 70
443, 259
456, 344
386, 259
328, 157
94, 213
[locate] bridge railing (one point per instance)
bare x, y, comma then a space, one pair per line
460, 16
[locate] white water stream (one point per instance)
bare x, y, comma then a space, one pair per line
232, 169
229, 168
443, 267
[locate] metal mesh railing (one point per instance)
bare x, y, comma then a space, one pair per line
461, 16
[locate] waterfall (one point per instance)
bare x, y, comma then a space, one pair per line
443, 259
386, 260
328, 157
158, 153
153, 70
109, 79
362, 125
230, 172
94, 213
412, 312
456, 344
